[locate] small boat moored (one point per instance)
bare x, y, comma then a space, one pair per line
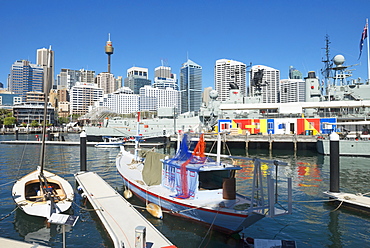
110, 142
196, 187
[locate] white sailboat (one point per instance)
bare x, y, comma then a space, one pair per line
42, 193
197, 187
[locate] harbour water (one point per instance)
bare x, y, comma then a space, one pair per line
314, 222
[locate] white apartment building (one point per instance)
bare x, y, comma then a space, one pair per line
292, 90
122, 101
229, 71
152, 99
106, 81
270, 89
83, 95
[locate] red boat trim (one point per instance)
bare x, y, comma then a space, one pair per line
185, 205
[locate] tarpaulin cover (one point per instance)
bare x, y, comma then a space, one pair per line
152, 172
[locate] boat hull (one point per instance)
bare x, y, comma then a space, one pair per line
37, 205
210, 210
347, 147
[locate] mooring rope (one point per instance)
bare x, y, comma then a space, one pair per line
209, 229
6, 216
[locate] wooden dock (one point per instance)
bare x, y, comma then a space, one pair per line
118, 216
268, 141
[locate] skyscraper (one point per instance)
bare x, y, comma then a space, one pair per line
164, 78
68, 78
42, 60
25, 77
136, 78
191, 86
229, 71
292, 90
106, 81
82, 96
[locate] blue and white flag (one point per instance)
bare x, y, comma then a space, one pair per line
363, 37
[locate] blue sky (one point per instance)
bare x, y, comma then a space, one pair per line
273, 33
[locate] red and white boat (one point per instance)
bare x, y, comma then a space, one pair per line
194, 186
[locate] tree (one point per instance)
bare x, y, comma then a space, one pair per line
9, 121
34, 123
3, 114
62, 120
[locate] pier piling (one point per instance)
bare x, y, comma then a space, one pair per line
83, 138
334, 162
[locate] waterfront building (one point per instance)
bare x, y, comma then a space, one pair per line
294, 73
269, 92
82, 96
137, 78
25, 77
30, 111
122, 101
229, 71
164, 78
8, 99
152, 99
68, 78
106, 81
42, 57
292, 90
191, 87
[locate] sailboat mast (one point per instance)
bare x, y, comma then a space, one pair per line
46, 89
368, 53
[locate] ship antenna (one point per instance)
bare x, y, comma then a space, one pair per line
326, 71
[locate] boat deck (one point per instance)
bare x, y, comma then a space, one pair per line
118, 216
355, 200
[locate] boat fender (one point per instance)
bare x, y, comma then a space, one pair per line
154, 210
127, 193
84, 195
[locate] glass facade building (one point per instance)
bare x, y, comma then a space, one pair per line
25, 77
191, 87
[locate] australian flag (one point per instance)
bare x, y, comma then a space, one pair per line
363, 37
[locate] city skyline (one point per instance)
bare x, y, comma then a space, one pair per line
274, 34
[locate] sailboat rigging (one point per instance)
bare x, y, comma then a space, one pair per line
42, 193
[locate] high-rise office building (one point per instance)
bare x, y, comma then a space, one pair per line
164, 78
152, 99
229, 72
82, 96
106, 81
25, 77
68, 78
42, 57
292, 90
137, 78
269, 88
122, 101
191, 86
